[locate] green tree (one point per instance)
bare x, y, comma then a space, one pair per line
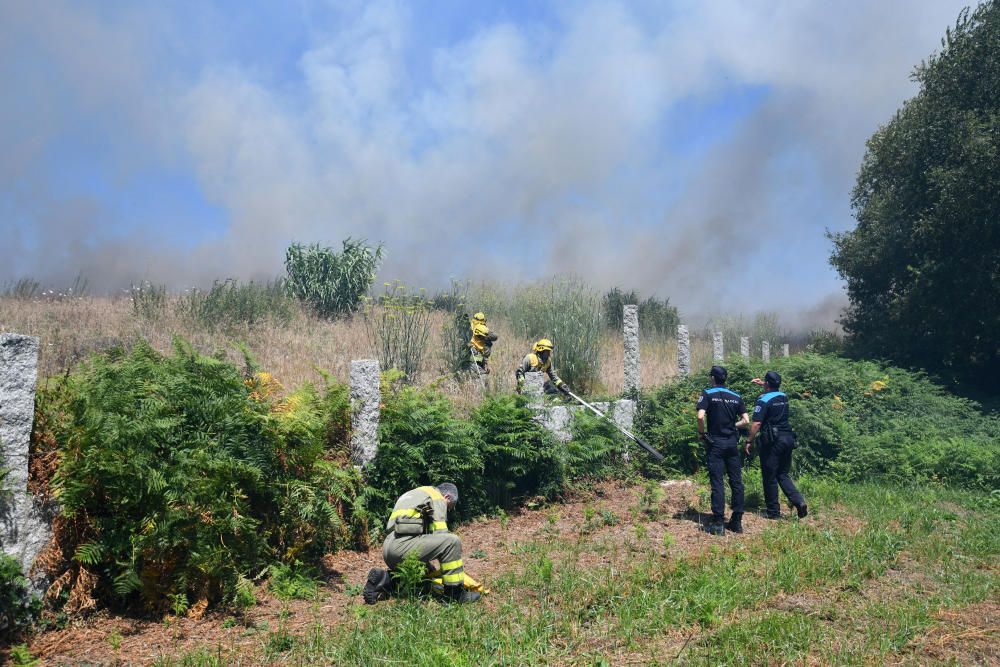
923, 265
330, 283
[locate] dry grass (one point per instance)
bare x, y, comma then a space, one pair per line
71, 329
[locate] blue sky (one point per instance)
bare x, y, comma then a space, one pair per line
691, 150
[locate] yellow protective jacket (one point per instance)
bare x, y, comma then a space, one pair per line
532, 363
425, 505
482, 337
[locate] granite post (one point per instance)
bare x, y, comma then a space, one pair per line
683, 350
630, 319
366, 397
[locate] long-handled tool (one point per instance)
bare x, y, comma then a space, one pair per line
639, 441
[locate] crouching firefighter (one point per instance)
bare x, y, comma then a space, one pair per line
419, 524
481, 343
539, 360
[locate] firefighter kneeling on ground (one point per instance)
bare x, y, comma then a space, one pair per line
481, 343
540, 360
419, 524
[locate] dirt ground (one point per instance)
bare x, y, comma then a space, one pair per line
488, 546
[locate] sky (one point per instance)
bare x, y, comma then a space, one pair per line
696, 151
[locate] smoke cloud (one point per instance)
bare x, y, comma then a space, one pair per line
598, 139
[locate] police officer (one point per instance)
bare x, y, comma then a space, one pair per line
770, 419
726, 413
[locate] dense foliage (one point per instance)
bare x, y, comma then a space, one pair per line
923, 265
18, 609
656, 315
331, 283
856, 419
184, 476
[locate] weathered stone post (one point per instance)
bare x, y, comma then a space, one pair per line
630, 319
785, 352
683, 350
534, 387
745, 347
366, 397
765, 351
25, 527
718, 353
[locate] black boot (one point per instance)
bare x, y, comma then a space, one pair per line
735, 522
378, 587
460, 595
802, 510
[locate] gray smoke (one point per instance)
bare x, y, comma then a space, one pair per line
516, 152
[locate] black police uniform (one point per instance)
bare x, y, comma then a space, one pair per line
723, 408
776, 443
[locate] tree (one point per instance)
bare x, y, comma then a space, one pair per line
923, 265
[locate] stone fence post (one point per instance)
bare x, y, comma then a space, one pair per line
718, 352
745, 347
765, 351
366, 397
683, 350
25, 522
785, 352
630, 319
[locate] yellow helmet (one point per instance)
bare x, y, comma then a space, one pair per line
542, 345
479, 317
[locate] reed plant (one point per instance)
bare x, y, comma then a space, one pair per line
398, 325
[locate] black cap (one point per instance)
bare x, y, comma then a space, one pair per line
719, 373
773, 379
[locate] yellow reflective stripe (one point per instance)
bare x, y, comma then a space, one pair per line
439, 525
404, 512
432, 492
453, 578
451, 565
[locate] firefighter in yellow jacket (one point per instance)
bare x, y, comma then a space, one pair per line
419, 524
481, 343
540, 360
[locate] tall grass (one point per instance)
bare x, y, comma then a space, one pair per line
398, 325
231, 305
568, 312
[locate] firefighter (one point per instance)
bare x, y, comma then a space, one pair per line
726, 414
777, 440
481, 343
419, 524
540, 360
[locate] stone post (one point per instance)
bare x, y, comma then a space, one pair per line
25, 525
683, 350
718, 353
785, 352
366, 397
534, 387
745, 347
765, 351
630, 319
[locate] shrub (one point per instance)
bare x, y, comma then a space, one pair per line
567, 311
455, 332
331, 284
857, 419
18, 608
231, 305
596, 448
398, 325
421, 443
520, 457
184, 476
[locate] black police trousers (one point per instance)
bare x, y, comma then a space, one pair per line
724, 457
775, 463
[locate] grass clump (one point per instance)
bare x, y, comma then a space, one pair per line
398, 325
231, 305
181, 475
